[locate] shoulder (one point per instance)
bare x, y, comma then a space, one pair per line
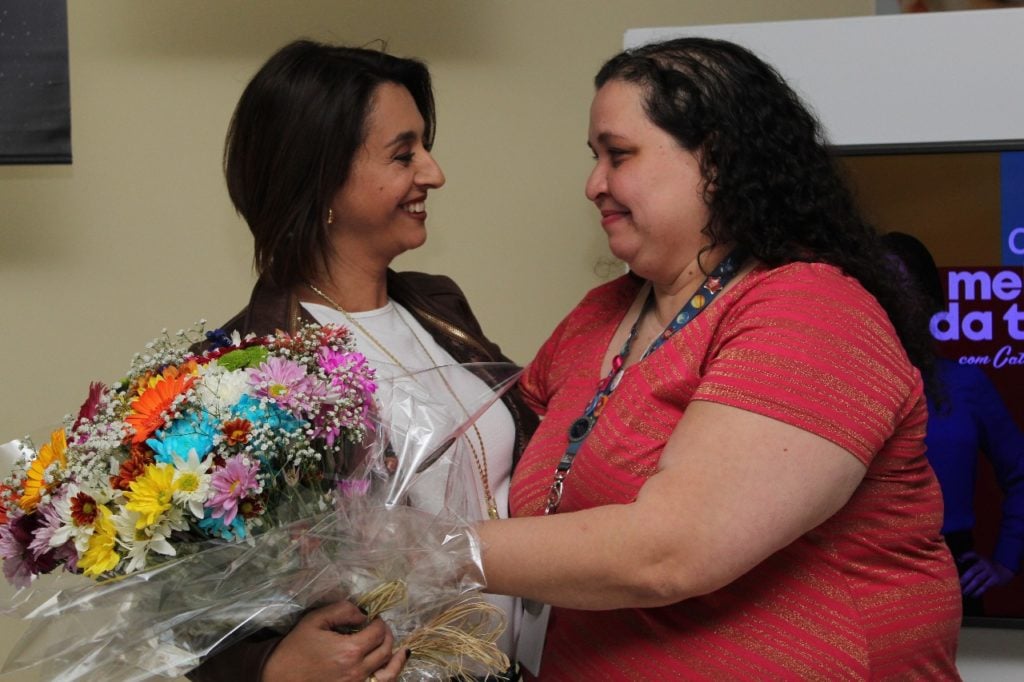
613, 295
808, 345
603, 305
594, 317
817, 295
813, 320
437, 295
807, 278
438, 303
270, 308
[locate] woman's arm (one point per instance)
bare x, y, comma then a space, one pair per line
732, 488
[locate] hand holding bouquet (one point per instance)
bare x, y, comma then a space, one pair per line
213, 494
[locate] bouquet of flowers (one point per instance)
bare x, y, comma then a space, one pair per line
214, 493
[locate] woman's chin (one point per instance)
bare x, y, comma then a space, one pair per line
624, 252
628, 258
413, 241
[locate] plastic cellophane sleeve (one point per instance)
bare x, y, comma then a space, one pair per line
164, 621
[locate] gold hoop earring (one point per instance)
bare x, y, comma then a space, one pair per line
330, 216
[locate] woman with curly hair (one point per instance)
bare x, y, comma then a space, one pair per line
729, 480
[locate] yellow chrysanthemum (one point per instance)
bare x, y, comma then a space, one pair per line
152, 494
32, 488
100, 557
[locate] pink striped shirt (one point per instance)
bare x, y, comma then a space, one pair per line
872, 593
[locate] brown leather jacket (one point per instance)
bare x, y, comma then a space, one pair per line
441, 307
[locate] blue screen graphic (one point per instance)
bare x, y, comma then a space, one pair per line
1011, 193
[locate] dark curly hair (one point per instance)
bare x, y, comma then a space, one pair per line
771, 184
292, 139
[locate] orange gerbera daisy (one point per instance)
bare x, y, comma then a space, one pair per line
32, 488
148, 381
148, 409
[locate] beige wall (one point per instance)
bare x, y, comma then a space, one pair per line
138, 234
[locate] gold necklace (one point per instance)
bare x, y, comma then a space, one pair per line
479, 458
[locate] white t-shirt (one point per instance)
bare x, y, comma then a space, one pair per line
394, 327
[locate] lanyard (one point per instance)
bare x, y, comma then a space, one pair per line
581, 428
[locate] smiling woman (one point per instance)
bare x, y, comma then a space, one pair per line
328, 160
729, 480
380, 212
644, 184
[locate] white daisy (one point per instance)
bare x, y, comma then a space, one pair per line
192, 482
139, 542
69, 528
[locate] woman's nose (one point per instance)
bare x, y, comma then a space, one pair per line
596, 183
429, 173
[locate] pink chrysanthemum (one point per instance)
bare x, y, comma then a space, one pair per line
49, 522
233, 482
348, 368
283, 381
330, 359
317, 393
351, 383
41, 546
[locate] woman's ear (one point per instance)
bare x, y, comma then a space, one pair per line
708, 169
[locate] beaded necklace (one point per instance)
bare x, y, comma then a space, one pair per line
581, 428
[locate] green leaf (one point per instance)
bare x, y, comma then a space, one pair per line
252, 356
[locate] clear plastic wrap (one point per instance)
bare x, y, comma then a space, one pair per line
163, 620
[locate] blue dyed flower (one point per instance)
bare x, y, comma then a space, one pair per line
193, 431
268, 413
216, 528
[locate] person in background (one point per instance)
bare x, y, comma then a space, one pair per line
729, 480
966, 416
328, 160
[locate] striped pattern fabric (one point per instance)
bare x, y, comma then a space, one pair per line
870, 594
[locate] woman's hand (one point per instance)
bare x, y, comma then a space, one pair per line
315, 649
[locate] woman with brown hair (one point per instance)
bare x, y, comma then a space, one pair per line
328, 160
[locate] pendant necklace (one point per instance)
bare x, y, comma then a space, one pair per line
581, 428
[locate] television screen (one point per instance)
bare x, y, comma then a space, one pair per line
967, 209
